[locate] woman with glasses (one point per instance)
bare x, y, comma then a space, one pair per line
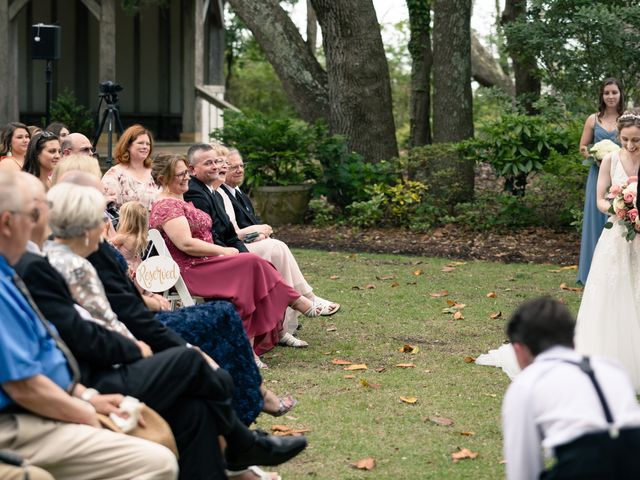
609, 316
14, 141
252, 284
130, 179
42, 157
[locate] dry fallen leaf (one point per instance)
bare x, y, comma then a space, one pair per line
334, 277
491, 295
564, 286
284, 431
332, 328
441, 293
385, 277
366, 384
406, 348
467, 434
418, 272
462, 454
359, 366
448, 269
369, 286
459, 305
349, 376
409, 400
380, 369
569, 267
365, 464
554, 271
458, 316
395, 284
446, 422
406, 365
495, 315
337, 361
456, 264
451, 303
469, 359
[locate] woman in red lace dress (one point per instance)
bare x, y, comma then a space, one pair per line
252, 284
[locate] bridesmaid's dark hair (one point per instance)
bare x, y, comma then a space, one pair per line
602, 107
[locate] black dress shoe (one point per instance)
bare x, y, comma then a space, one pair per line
267, 450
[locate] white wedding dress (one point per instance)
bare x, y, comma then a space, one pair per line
609, 315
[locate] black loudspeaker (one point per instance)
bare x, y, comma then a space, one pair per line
45, 42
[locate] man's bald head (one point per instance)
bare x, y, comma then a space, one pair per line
76, 143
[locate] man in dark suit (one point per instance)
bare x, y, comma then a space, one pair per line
177, 381
204, 165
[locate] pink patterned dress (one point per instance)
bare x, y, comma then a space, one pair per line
252, 284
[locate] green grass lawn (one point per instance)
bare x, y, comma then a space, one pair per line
386, 303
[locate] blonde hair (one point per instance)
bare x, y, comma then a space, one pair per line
75, 209
82, 163
134, 221
219, 149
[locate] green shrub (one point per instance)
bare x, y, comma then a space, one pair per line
78, 118
489, 211
517, 145
277, 151
320, 212
366, 213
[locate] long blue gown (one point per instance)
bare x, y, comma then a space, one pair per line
593, 220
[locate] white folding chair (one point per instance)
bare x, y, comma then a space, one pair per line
181, 292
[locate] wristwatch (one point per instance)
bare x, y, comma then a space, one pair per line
88, 394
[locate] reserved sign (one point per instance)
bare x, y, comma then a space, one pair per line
157, 274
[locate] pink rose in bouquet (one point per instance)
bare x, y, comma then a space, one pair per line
623, 207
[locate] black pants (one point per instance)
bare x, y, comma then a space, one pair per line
193, 399
597, 456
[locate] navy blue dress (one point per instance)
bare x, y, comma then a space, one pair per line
593, 220
216, 328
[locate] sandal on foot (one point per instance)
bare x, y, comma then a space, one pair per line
285, 405
288, 340
260, 364
328, 308
256, 471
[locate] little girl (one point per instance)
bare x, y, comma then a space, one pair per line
131, 241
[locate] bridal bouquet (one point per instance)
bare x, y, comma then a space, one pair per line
599, 151
623, 207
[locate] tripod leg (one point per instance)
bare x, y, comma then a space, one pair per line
105, 114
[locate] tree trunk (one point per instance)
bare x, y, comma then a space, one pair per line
312, 27
421, 60
358, 77
486, 70
452, 98
302, 77
525, 69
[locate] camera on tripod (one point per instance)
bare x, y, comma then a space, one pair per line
109, 91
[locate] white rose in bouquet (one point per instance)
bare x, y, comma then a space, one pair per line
601, 149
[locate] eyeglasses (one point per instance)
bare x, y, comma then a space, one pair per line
34, 214
87, 150
237, 167
183, 175
220, 161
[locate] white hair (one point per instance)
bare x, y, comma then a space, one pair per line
11, 196
75, 209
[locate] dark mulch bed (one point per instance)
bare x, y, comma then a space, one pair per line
532, 245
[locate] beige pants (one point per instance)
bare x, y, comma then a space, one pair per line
9, 472
70, 451
278, 253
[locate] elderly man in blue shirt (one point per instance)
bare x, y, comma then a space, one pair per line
43, 417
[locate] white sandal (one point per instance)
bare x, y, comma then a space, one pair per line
328, 308
260, 364
257, 471
288, 340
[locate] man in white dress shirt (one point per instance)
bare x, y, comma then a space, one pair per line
583, 413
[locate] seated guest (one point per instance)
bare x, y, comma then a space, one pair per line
130, 179
46, 416
215, 327
583, 410
77, 144
249, 282
189, 391
204, 193
14, 141
42, 156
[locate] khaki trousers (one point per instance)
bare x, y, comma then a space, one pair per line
9, 472
70, 451
278, 253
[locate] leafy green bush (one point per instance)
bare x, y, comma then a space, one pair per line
517, 145
78, 118
346, 175
489, 211
320, 212
277, 151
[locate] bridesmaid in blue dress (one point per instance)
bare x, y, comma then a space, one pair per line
599, 126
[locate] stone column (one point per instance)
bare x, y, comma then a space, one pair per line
107, 66
193, 18
9, 111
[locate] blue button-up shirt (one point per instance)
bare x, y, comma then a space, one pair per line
26, 349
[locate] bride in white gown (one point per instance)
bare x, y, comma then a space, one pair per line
609, 315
